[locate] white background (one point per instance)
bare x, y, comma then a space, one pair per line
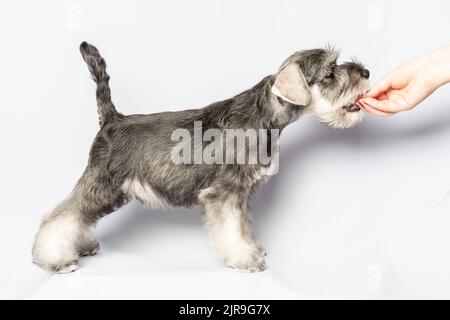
360, 213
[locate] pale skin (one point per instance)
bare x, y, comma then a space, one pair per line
407, 85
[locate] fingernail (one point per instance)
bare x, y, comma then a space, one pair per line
360, 102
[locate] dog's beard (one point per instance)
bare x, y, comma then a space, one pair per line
341, 113
340, 118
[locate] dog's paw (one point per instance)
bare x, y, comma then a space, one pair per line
262, 251
58, 265
248, 260
91, 251
71, 267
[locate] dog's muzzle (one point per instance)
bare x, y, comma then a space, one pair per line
352, 108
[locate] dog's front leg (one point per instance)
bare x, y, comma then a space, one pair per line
229, 224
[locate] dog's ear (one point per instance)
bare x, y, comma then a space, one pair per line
290, 85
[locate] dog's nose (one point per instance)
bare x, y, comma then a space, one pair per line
365, 73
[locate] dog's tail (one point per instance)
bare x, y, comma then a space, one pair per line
97, 67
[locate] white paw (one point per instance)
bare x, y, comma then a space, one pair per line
248, 259
68, 269
91, 251
262, 251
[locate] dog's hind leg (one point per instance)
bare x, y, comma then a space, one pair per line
229, 224
89, 246
65, 233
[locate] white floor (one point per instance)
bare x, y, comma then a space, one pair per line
165, 255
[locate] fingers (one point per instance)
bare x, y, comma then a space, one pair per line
380, 87
390, 105
374, 111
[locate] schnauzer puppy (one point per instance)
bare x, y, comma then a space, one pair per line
131, 157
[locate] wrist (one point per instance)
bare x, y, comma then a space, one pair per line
439, 66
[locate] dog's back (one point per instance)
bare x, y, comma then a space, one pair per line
135, 150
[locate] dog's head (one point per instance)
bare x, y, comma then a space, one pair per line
314, 79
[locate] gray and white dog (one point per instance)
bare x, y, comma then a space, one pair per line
130, 157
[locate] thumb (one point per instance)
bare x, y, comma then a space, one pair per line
378, 88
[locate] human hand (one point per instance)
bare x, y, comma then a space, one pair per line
407, 85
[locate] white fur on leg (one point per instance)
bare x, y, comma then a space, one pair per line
55, 246
226, 225
238, 252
